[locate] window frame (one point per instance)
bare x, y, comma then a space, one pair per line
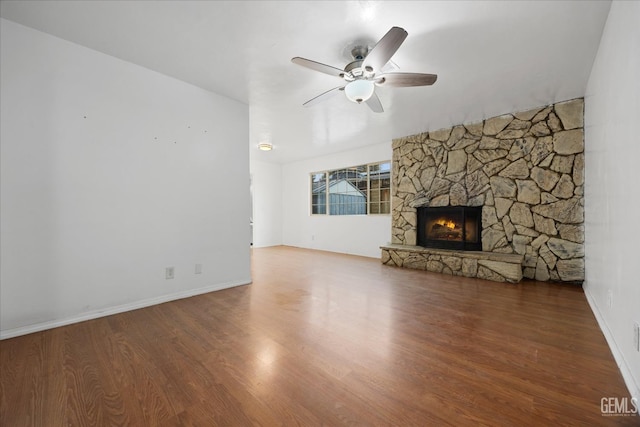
314, 208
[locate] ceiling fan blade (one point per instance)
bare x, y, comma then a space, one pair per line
317, 66
323, 96
406, 79
384, 49
374, 103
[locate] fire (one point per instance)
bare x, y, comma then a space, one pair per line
446, 223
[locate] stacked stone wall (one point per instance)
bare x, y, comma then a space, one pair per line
525, 169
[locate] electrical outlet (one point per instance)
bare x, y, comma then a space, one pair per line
636, 336
169, 273
198, 268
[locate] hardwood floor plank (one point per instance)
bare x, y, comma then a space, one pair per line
321, 338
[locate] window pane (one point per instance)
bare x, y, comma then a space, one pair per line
379, 188
345, 194
319, 209
319, 193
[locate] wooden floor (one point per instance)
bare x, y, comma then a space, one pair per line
324, 339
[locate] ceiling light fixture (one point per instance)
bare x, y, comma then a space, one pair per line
359, 90
265, 146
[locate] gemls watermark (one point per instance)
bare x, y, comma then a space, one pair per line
619, 407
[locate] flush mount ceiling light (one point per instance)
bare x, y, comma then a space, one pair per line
265, 146
366, 71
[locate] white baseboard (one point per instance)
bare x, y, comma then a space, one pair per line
37, 327
627, 376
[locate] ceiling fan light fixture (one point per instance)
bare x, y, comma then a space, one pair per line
359, 90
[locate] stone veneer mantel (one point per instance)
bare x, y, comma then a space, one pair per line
484, 265
525, 169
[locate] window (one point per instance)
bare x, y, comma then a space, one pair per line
319, 193
380, 188
357, 190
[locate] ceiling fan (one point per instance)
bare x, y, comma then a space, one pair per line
365, 72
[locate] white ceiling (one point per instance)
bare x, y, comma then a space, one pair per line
490, 58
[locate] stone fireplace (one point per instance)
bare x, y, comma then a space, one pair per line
525, 173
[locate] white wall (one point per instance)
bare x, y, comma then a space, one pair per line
357, 234
612, 198
266, 183
110, 173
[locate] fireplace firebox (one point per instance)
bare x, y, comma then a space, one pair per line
450, 227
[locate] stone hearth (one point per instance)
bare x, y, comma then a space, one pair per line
483, 265
525, 169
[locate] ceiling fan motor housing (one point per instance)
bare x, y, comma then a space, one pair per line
353, 70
